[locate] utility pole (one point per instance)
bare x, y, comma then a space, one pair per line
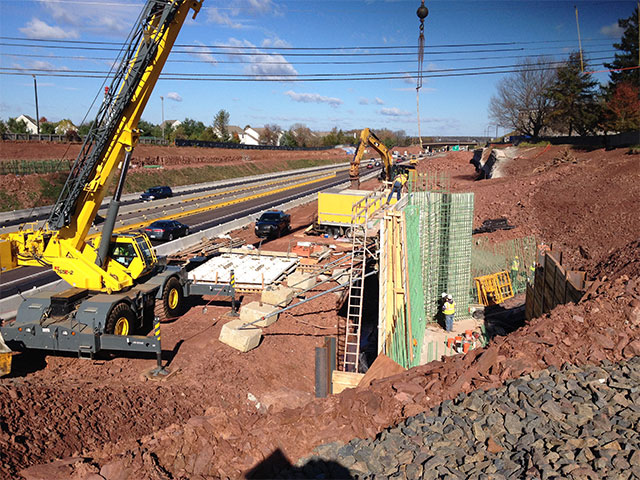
579, 41
35, 88
162, 101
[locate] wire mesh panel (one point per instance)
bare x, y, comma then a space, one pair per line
515, 256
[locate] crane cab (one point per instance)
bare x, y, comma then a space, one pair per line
133, 252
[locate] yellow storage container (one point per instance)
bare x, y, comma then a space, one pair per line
335, 205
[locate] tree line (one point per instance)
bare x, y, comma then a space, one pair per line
565, 99
298, 135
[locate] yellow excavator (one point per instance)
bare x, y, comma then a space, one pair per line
390, 168
115, 280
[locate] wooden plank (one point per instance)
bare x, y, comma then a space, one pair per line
528, 305
343, 380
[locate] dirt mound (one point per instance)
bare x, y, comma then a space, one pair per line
586, 206
623, 261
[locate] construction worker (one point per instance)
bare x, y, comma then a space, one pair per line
532, 272
398, 184
449, 311
515, 269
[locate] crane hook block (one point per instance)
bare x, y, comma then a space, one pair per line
422, 12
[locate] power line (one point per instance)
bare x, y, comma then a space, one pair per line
359, 47
292, 78
285, 75
239, 62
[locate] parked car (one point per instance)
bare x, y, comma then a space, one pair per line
378, 164
155, 193
166, 230
273, 224
370, 165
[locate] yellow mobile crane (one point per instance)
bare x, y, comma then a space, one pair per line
390, 168
117, 281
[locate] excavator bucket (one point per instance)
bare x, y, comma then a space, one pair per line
5, 358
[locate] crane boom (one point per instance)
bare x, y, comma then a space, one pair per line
62, 242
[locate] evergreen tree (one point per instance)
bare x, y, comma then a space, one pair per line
221, 124
15, 126
573, 93
627, 56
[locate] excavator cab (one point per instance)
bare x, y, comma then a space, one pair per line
134, 253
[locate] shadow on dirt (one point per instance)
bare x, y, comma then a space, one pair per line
500, 321
277, 465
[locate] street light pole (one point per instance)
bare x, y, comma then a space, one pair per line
35, 88
162, 101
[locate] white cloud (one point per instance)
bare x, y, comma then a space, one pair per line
409, 79
275, 42
94, 15
394, 112
201, 54
378, 101
363, 101
312, 98
216, 16
613, 30
228, 13
272, 66
175, 96
42, 65
38, 29
261, 6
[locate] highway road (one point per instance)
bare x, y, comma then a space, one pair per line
197, 208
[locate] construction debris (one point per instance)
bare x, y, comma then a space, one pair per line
493, 225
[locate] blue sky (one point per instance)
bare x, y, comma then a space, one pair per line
264, 35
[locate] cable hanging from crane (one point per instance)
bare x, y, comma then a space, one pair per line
422, 14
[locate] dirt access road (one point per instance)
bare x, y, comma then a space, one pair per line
225, 412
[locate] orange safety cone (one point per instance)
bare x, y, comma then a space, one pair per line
465, 347
449, 342
468, 334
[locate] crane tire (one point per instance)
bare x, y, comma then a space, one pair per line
172, 299
121, 320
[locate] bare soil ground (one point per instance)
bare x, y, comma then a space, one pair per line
224, 412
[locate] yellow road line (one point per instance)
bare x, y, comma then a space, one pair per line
266, 184
138, 225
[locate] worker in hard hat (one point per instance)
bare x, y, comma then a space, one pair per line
515, 269
449, 311
532, 272
398, 184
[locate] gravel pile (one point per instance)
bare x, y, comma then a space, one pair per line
578, 422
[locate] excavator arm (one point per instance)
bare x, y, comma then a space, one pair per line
62, 243
368, 138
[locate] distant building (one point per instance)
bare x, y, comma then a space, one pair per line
255, 136
32, 125
171, 124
